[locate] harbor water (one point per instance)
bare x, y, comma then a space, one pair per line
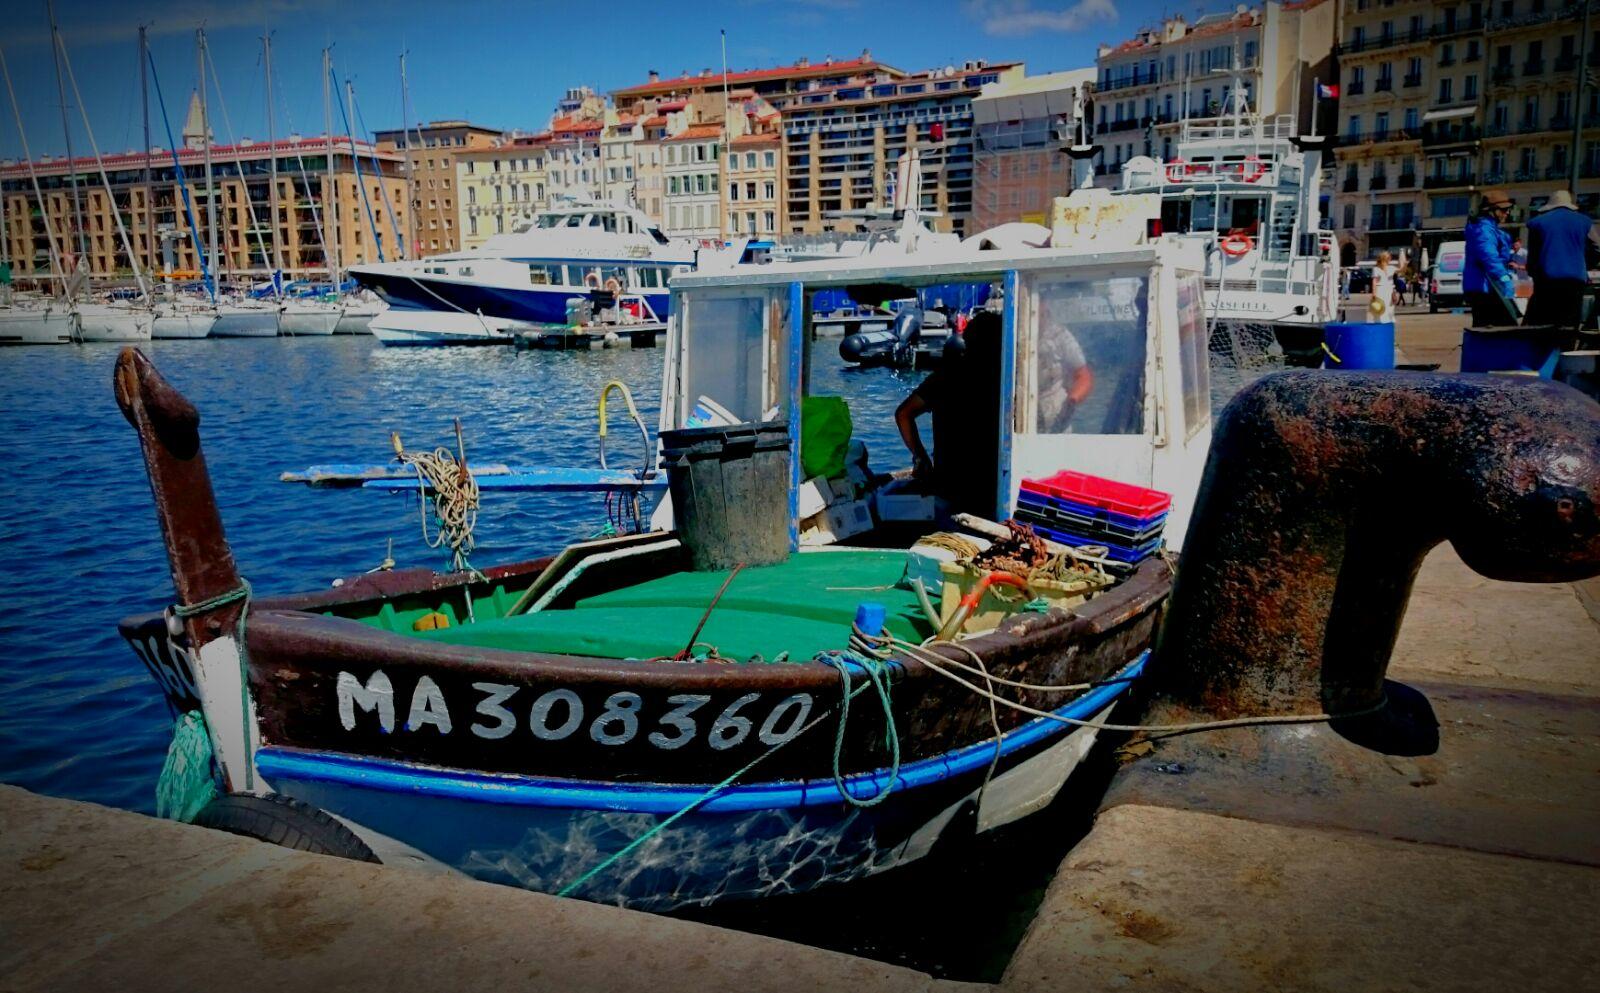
79, 716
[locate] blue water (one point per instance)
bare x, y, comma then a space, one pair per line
81, 548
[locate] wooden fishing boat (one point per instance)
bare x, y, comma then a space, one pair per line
609, 722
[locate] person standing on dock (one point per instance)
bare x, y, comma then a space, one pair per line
1380, 309
1486, 281
1562, 246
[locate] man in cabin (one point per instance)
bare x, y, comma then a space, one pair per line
963, 394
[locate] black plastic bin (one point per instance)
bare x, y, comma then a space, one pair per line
730, 493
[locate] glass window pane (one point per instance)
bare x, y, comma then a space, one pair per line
723, 343
1090, 355
1193, 353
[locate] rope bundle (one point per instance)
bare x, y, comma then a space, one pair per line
454, 492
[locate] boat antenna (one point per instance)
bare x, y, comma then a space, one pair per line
355, 161
272, 170
205, 138
727, 123
33, 174
66, 131
249, 201
411, 162
183, 184
377, 172
330, 212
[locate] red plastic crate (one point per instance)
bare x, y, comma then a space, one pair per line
1107, 494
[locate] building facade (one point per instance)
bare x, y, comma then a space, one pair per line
1440, 101
751, 182
147, 190
769, 84
429, 153
1150, 83
1018, 131
842, 145
501, 187
692, 168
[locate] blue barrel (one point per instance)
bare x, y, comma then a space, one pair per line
1359, 346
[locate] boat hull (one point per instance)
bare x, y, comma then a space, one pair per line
117, 324
401, 327
37, 327
182, 324
537, 305
357, 319
308, 321
245, 322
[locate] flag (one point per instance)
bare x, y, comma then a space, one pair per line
1326, 91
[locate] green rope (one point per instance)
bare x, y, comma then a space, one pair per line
238, 593
187, 782
877, 671
1038, 605
692, 805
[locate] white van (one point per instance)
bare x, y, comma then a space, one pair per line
1445, 288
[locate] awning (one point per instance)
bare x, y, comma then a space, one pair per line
1449, 115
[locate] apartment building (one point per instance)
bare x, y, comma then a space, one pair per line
751, 180
842, 144
429, 152
619, 156
1148, 84
147, 191
692, 168
501, 187
769, 84
1018, 126
1440, 101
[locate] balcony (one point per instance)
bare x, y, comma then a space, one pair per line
1412, 80
1472, 55
1407, 181
1448, 30
1450, 134
1525, 176
1533, 67
1378, 183
1493, 178
1390, 40
1384, 84
1566, 63
1529, 127
1351, 184
1498, 130
1129, 81
1560, 171
1561, 122
1502, 73
1447, 60
1448, 182
1355, 89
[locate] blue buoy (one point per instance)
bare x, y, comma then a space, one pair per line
1359, 346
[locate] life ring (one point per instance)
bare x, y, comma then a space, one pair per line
613, 285
1252, 169
1177, 171
592, 280
1236, 243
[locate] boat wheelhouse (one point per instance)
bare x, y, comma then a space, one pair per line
1246, 187
613, 723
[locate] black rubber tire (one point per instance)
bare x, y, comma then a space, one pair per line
285, 821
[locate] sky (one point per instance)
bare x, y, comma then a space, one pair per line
496, 63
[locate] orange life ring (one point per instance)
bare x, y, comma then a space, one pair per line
1235, 243
613, 285
1252, 169
1177, 171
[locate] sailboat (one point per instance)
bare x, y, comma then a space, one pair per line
312, 316
35, 321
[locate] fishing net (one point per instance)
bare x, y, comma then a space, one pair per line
1241, 353
187, 782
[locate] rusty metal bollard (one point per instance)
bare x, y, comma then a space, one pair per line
1321, 496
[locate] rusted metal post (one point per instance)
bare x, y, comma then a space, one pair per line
1322, 494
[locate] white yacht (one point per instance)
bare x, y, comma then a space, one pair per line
1240, 185
528, 275
175, 320
46, 322
114, 322
308, 317
246, 319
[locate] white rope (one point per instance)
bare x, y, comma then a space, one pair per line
455, 499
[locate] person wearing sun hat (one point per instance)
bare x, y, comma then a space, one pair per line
1486, 281
1561, 248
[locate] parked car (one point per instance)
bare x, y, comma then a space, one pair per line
1444, 286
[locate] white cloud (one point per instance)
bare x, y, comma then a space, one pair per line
1020, 17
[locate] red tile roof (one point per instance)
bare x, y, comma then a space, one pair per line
753, 75
757, 139
697, 133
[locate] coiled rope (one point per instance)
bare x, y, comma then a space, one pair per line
445, 479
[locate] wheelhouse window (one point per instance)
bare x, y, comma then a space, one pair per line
1193, 357
1089, 361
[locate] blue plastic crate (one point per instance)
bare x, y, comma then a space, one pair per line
1121, 553
1040, 501
1099, 529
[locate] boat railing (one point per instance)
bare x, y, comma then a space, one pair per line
1247, 130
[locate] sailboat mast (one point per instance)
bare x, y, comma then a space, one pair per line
66, 132
411, 162
144, 104
33, 176
205, 137
330, 210
272, 168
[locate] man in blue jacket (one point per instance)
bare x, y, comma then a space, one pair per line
1486, 280
1561, 248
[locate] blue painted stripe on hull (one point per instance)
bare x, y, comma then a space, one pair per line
537, 305
397, 777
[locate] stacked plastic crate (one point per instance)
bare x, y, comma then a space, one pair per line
1075, 508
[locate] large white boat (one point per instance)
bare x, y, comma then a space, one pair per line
309, 317
114, 322
52, 324
403, 326
1240, 185
177, 320
528, 275
246, 319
